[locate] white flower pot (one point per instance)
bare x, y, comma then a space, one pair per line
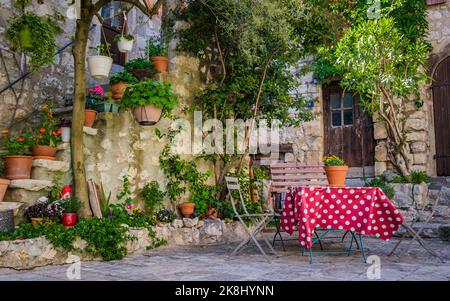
65, 134
125, 45
99, 66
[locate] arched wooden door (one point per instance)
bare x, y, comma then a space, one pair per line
441, 104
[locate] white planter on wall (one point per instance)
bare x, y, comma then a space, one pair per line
99, 66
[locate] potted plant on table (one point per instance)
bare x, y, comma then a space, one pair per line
141, 68
70, 206
47, 137
124, 42
101, 63
17, 157
336, 170
149, 100
158, 55
119, 83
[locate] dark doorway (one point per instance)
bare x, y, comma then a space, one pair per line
348, 131
441, 104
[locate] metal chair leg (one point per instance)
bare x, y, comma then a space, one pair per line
278, 233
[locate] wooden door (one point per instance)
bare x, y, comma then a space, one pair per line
348, 131
441, 104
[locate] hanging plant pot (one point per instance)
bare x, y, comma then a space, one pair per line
25, 39
187, 209
3, 187
18, 167
89, 117
43, 152
99, 66
65, 134
336, 175
161, 63
147, 115
125, 45
118, 89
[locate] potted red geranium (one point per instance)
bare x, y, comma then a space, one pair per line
47, 137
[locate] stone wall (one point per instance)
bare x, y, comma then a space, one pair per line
307, 139
36, 252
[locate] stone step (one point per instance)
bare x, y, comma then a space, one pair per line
53, 171
27, 191
17, 207
63, 153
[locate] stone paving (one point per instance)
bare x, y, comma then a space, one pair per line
213, 263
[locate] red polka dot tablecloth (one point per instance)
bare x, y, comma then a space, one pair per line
362, 210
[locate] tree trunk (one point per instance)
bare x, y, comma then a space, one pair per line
79, 55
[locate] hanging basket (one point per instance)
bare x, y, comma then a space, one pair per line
147, 115
125, 45
99, 66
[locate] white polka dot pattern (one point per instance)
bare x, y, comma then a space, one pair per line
332, 208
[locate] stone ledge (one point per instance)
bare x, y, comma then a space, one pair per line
37, 252
51, 165
31, 185
63, 146
15, 206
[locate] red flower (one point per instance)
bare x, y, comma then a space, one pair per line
42, 130
21, 139
40, 136
59, 132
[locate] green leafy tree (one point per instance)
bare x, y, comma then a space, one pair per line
386, 69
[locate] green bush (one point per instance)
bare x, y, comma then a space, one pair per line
415, 177
383, 184
124, 77
139, 63
153, 197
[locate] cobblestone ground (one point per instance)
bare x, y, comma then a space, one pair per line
213, 263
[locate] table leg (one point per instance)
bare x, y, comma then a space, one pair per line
362, 247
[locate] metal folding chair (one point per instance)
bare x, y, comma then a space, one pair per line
258, 220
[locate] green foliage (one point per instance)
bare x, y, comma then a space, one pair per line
251, 34
128, 37
333, 161
204, 197
124, 76
154, 48
43, 31
139, 63
104, 201
383, 184
153, 197
71, 205
409, 16
377, 59
165, 216
48, 132
17, 145
55, 192
153, 92
103, 49
415, 177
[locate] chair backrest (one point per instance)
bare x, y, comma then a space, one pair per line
233, 185
285, 175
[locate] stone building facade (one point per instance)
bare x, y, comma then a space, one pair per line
308, 141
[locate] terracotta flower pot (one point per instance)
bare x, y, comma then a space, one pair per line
147, 115
161, 63
36, 221
42, 151
18, 167
89, 117
3, 187
187, 209
118, 89
336, 175
69, 220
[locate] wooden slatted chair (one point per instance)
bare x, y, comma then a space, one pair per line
286, 175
